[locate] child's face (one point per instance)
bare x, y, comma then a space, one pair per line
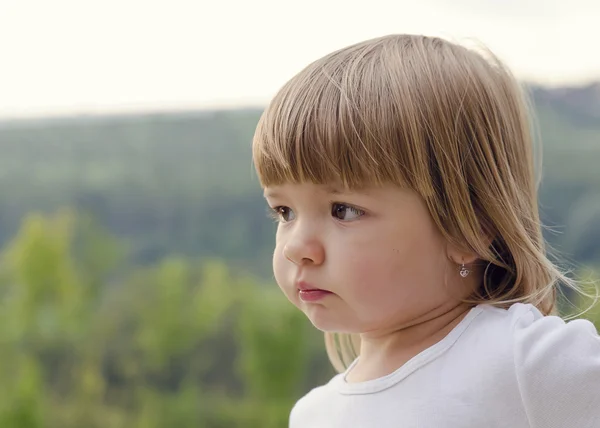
362, 261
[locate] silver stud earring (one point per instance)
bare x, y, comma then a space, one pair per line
464, 271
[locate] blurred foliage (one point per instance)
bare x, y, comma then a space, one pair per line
174, 344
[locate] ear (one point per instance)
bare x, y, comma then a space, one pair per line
460, 255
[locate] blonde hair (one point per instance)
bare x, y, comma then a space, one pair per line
424, 113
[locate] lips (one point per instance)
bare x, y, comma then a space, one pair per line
309, 293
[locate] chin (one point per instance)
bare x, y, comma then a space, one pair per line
325, 321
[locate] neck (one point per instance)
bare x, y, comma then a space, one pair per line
382, 353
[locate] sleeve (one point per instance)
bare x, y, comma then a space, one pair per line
557, 366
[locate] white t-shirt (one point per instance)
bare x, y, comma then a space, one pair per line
510, 368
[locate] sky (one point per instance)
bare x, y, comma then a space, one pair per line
68, 57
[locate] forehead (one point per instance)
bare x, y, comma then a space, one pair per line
386, 191
331, 189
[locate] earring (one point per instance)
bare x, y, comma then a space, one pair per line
464, 271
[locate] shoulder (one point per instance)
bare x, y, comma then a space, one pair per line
557, 365
315, 405
552, 341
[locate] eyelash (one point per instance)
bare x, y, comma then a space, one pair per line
275, 212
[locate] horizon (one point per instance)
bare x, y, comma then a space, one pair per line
160, 109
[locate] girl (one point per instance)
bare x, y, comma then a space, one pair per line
401, 172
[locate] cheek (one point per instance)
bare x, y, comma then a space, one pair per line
282, 273
278, 264
386, 269
377, 273
278, 258
368, 268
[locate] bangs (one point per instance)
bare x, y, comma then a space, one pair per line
338, 121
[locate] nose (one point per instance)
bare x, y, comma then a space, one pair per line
302, 249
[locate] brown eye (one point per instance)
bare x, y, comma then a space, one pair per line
285, 213
345, 212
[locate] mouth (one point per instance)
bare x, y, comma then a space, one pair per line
309, 293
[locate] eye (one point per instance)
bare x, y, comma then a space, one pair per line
345, 212
282, 213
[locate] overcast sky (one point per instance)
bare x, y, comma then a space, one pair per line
72, 56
